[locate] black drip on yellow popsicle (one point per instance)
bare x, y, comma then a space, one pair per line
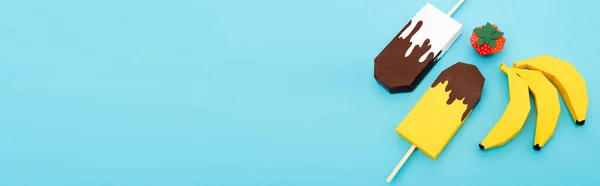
465, 82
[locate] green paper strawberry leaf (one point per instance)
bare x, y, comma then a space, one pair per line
492, 43
487, 34
479, 31
490, 32
488, 27
497, 35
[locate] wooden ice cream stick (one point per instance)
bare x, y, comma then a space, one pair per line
406, 155
460, 2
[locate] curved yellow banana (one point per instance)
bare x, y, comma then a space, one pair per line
546, 103
514, 115
565, 77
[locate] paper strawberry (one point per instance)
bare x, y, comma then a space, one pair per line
487, 39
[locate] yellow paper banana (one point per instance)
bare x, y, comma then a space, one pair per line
514, 115
565, 77
546, 103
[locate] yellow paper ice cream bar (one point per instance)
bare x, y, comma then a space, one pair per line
441, 111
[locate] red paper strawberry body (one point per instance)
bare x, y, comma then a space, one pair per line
487, 39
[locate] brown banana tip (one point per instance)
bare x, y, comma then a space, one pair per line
580, 122
537, 147
481, 146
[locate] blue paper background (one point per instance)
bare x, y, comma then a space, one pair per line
266, 92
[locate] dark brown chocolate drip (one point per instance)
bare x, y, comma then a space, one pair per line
464, 81
398, 72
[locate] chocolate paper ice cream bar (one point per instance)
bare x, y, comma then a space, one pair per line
441, 111
412, 53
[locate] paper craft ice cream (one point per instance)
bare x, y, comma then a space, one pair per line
412, 53
406, 60
441, 111
443, 108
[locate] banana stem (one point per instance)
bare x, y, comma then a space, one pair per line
504, 68
397, 168
519, 64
